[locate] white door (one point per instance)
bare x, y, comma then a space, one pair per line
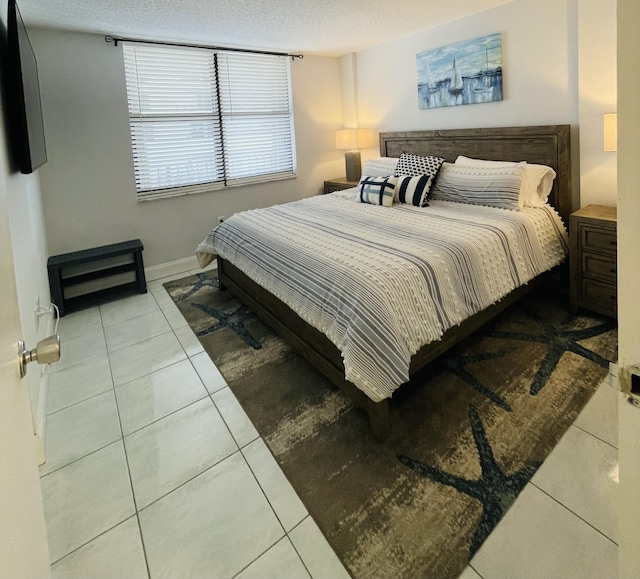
23, 537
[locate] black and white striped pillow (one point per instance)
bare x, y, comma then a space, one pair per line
493, 186
417, 165
413, 190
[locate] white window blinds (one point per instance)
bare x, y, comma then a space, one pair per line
202, 120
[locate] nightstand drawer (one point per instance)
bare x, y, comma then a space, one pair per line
598, 239
593, 259
600, 267
599, 297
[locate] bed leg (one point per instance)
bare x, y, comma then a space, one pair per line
221, 285
379, 420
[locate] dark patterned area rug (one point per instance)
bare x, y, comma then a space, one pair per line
466, 435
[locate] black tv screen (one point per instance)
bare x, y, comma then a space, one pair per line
27, 140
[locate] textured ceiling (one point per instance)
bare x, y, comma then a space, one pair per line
324, 27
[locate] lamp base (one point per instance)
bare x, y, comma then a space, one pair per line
352, 163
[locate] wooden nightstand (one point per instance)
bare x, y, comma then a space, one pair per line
594, 259
338, 185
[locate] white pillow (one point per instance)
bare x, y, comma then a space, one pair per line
379, 167
537, 181
480, 185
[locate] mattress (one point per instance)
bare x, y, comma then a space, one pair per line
381, 282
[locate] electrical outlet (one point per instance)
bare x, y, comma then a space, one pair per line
221, 218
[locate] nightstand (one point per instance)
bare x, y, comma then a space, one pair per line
338, 185
594, 259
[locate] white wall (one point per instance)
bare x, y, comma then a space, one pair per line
558, 68
348, 87
88, 185
30, 258
598, 95
539, 71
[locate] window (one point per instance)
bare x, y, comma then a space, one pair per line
203, 120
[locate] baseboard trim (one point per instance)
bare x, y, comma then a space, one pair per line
171, 268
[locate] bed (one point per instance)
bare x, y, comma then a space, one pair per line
544, 145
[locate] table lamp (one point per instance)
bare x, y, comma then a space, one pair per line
352, 140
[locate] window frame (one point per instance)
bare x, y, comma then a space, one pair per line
140, 119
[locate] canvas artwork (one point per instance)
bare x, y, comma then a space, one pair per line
464, 73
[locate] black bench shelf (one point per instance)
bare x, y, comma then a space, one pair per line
57, 264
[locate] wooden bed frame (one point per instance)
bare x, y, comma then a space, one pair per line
545, 145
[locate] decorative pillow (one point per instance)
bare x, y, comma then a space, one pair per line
413, 190
414, 165
377, 190
537, 181
493, 186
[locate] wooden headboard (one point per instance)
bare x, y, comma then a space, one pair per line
543, 145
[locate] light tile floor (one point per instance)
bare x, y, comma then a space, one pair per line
144, 479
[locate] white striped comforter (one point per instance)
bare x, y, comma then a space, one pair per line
381, 282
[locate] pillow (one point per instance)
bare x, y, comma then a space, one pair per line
417, 165
379, 167
414, 165
537, 181
377, 190
492, 186
413, 190
537, 184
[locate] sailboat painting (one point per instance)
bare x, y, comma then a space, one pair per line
464, 73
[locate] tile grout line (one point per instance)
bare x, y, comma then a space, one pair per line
261, 487
126, 459
479, 574
80, 458
206, 469
100, 327
240, 450
240, 447
203, 351
81, 401
595, 436
293, 544
573, 513
76, 549
285, 535
165, 416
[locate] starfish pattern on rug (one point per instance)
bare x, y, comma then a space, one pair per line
558, 342
456, 365
495, 490
203, 281
234, 321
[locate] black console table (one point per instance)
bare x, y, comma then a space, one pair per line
59, 277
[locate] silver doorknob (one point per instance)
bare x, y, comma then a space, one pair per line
47, 351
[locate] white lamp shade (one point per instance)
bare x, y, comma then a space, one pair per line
611, 132
355, 139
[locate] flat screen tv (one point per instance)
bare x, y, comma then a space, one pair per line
27, 128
